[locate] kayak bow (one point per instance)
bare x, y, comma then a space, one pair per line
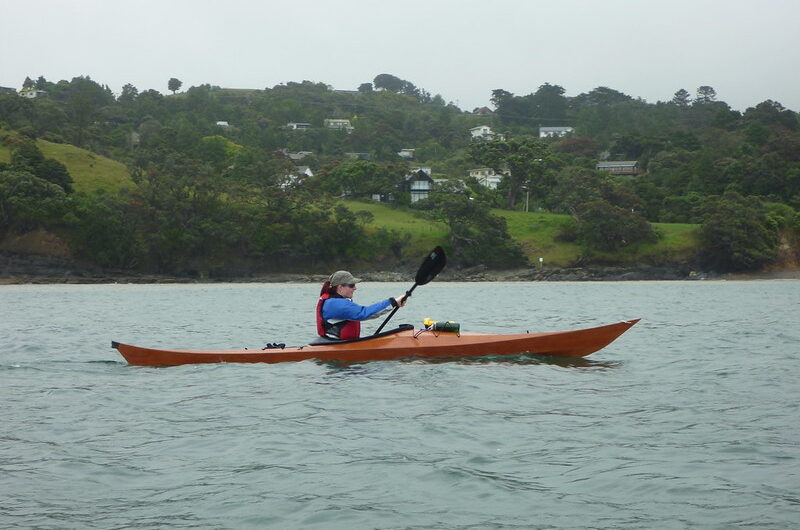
403, 342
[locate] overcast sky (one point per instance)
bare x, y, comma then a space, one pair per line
747, 50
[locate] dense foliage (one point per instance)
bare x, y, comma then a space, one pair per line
216, 188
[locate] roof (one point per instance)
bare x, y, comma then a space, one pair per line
618, 163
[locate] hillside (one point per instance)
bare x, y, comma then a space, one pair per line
231, 181
90, 171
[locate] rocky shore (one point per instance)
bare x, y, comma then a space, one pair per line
41, 269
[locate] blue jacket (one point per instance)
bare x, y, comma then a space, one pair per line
346, 309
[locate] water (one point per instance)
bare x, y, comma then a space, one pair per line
689, 420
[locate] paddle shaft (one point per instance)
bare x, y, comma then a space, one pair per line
408, 293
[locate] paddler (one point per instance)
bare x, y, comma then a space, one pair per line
338, 317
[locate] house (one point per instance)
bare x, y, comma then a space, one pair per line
294, 157
554, 132
359, 156
31, 93
223, 124
419, 183
7, 90
406, 153
305, 171
620, 167
487, 176
298, 126
482, 111
335, 123
485, 133
295, 177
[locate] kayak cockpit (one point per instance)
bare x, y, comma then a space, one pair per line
324, 341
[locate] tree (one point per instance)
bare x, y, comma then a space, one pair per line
548, 104
365, 88
85, 98
523, 160
128, 95
772, 113
603, 226
28, 202
601, 96
736, 236
41, 83
174, 84
681, 98
705, 95
389, 82
477, 237
28, 83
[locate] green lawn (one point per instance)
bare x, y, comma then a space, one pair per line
89, 171
536, 232
424, 234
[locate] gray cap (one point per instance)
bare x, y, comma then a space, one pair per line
341, 278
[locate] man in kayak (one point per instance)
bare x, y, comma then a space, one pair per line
338, 317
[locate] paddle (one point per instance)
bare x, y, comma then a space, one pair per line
431, 266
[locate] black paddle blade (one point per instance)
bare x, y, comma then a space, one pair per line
433, 265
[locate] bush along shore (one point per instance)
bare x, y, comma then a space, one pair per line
41, 269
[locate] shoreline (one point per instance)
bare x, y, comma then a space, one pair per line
16, 269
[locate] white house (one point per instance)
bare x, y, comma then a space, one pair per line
295, 177
223, 124
335, 123
298, 126
484, 132
31, 93
487, 176
554, 132
304, 170
406, 153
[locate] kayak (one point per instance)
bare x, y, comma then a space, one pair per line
400, 343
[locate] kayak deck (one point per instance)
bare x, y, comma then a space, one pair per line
403, 342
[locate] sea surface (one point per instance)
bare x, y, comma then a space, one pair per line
689, 420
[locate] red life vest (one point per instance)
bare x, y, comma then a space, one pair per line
347, 329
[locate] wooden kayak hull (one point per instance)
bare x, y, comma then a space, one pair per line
404, 343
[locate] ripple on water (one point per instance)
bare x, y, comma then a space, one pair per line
687, 421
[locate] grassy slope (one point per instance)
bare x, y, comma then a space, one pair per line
424, 234
536, 233
90, 171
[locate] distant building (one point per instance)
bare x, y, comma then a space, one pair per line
485, 133
295, 177
31, 93
487, 176
223, 124
335, 123
482, 111
294, 126
419, 183
7, 90
406, 153
296, 156
554, 132
359, 156
304, 170
620, 167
